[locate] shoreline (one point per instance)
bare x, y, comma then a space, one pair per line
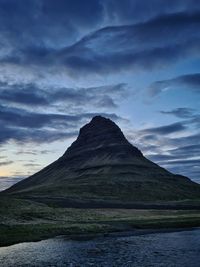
112, 234
134, 232
27, 221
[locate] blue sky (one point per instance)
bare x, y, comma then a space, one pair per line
62, 62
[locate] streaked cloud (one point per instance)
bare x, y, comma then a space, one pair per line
3, 163
188, 81
164, 130
184, 113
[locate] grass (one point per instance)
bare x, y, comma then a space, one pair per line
25, 220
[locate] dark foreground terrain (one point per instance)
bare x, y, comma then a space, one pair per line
26, 220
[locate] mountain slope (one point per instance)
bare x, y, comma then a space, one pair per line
102, 165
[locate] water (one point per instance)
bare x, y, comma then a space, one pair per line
158, 249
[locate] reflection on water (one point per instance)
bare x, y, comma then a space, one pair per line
160, 249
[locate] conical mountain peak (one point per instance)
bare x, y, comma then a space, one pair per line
101, 127
100, 134
102, 165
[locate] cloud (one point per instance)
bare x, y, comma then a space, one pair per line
177, 154
4, 163
123, 11
186, 151
189, 168
190, 82
26, 135
184, 113
116, 48
25, 126
153, 43
22, 152
34, 152
60, 111
22, 118
32, 165
50, 23
20, 121
164, 130
32, 95
57, 23
185, 140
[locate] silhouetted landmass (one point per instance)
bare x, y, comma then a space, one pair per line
101, 165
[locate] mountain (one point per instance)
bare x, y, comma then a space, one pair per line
102, 165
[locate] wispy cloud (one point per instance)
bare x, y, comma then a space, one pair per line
189, 81
184, 113
164, 130
117, 48
4, 163
32, 95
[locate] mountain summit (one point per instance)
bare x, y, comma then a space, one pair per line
99, 136
101, 165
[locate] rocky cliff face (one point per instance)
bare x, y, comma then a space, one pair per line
102, 165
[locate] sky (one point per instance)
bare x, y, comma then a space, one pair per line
63, 62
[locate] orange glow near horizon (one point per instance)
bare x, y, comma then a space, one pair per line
5, 172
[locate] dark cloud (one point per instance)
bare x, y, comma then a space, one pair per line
26, 135
34, 152
22, 118
156, 42
129, 11
32, 165
182, 160
164, 130
49, 22
189, 168
177, 154
184, 113
192, 162
161, 158
162, 141
21, 122
25, 126
57, 23
33, 95
189, 81
192, 117
22, 152
111, 49
4, 163
186, 151
186, 140
23, 94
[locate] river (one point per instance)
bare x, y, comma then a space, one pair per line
172, 249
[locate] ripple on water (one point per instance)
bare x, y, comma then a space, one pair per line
158, 249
